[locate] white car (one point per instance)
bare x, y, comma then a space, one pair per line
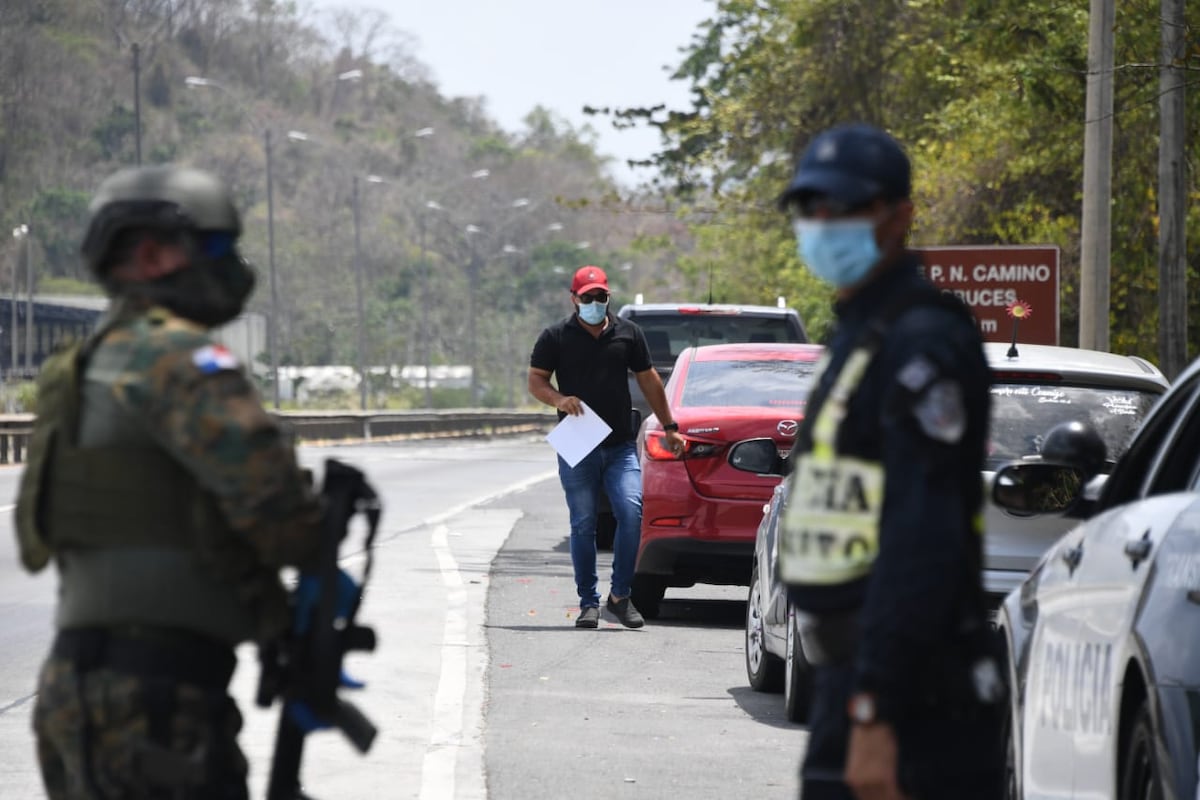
1032, 392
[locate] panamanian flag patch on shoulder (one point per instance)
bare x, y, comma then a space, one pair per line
214, 358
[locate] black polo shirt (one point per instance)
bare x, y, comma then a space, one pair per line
595, 369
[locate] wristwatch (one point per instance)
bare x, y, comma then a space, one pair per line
861, 709
671, 426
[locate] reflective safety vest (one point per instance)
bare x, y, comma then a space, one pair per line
829, 533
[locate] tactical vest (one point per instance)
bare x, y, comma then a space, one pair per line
136, 539
829, 531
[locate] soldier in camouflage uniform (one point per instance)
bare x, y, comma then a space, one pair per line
167, 498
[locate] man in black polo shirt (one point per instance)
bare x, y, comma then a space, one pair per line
589, 353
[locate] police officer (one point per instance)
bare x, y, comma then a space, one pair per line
167, 498
881, 542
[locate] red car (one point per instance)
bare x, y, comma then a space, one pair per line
699, 514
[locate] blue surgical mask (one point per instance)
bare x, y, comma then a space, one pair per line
841, 251
593, 313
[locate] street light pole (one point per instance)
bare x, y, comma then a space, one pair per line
28, 305
421, 221
273, 318
19, 233
358, 289
137, 100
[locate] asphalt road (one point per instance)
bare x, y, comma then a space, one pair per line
481, 686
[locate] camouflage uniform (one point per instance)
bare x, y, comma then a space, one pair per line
164, 727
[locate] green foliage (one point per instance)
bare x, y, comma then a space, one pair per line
988, 97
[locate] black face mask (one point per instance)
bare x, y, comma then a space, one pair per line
210, 292
212, 289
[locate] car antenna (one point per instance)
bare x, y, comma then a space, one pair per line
1018, 310
710, 299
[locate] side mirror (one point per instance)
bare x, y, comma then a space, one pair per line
759, 456
1038, 488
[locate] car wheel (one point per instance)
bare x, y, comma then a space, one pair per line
1139, 768
764, 670
647, 594
797, 680
606, 531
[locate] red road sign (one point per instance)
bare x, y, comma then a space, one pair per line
991, 278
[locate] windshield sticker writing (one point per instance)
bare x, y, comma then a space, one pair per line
1120, 405
1040, 394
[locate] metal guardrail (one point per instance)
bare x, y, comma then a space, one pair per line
332, 426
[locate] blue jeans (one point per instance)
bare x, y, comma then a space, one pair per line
616, 470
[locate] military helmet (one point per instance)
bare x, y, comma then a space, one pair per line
1077, 444
167, 198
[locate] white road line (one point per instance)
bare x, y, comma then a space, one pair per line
487, 498
445, 738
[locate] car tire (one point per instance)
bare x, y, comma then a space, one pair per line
797, 679
606, 530
764, 670
647, 594
1139, 766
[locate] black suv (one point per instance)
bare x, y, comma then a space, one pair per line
670, 327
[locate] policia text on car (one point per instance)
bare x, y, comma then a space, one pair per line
881, 539
167, 498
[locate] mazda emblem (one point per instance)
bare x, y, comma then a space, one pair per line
788, 428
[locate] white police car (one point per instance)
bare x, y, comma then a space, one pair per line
1032, 391
1103, 667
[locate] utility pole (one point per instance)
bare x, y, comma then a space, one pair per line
1172, 194
358, 289
1096, 233
137, 100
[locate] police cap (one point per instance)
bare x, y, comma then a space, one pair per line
852, 164
166, 198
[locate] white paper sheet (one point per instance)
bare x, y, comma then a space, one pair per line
578, 435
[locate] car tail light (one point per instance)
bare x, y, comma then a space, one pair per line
657, 449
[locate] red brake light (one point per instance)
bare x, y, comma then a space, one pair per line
657, 449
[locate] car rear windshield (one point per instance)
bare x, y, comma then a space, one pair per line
749, 384
1022, 414
668, 334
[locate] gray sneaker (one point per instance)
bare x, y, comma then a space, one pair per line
625, 613
589, 617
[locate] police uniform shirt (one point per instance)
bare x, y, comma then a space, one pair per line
595, 369
921, 410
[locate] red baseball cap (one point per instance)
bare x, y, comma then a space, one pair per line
588, 278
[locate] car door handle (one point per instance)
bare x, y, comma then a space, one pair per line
1138, 550
1072, 556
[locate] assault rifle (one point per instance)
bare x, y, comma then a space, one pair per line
304, 668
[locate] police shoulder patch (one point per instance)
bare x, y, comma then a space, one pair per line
214, 358
941, 412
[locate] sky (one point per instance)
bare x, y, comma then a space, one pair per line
561, 54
